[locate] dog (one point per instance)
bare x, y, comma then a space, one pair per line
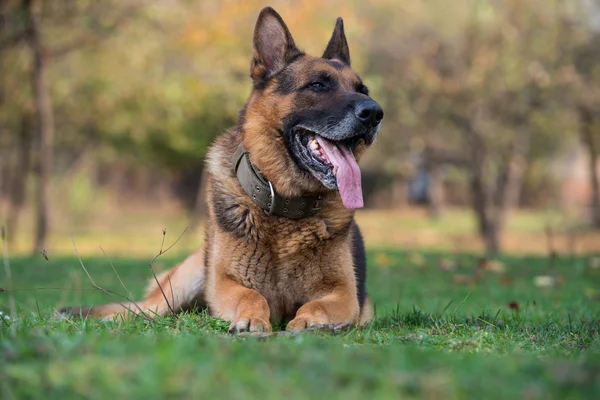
281, 243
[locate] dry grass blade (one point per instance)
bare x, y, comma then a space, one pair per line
461, 304
116, 273
122, 283
171, 246
110, 293
172, 292
160, 253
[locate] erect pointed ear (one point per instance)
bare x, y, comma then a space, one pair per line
338, 46
273, 46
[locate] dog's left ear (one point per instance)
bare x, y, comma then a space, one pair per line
338, 46
273, 46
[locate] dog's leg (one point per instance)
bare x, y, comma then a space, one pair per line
245, 308
179, 288
366, 312
339, 306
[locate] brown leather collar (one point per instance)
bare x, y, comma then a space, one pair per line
263, 194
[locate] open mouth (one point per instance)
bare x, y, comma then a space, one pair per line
332, 163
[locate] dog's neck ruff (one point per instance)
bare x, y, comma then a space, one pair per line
263, 194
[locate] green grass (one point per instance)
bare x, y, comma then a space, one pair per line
434, 337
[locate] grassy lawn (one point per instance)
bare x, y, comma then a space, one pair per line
518, 327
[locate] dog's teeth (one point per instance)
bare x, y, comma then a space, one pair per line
314, 145
335, 169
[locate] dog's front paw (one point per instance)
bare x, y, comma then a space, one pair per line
302, 322
249, 324
297, 324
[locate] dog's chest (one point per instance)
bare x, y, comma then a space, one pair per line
288, 265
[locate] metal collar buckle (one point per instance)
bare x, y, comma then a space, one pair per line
271, 204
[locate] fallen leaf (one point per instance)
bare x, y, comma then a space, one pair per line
383, 259
417, 259
544, 281
464, 279
513, 305
446, 265
506, 280
492, 266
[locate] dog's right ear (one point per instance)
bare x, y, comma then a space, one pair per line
273, 46
338, 45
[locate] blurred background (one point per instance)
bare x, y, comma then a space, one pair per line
491, 138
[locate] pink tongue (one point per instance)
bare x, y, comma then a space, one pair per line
348, 173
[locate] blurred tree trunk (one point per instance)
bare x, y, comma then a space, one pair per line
18, 176
493, 197
435, 187
436, 191
587, 135
510, 180
488, 229
45, 122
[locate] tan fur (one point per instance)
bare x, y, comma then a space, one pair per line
256, 269
301, 264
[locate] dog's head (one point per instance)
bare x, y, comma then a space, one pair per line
308, 119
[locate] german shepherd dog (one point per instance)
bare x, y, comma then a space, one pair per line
281, 241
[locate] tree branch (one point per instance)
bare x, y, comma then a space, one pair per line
92, 39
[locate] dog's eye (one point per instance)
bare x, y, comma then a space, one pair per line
317, 85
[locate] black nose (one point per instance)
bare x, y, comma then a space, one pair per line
369, 112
